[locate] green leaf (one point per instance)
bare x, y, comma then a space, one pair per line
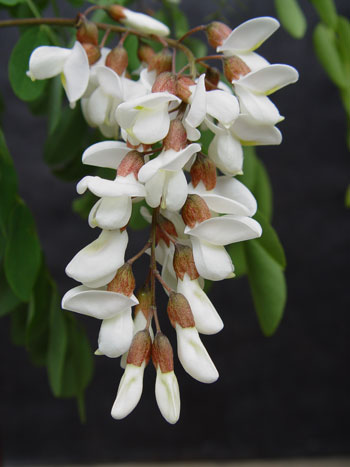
180, 21
206, 138
347, 197
292, 17
22, 252
54, 103
343, 41
11, 2
269, 241
327, 53
8, 184
198, 47
131, 45
8, 300
137, 222
262, 190
22, 86
83, 204
327, 11
237, 253
268, 286
19, 318
58, 344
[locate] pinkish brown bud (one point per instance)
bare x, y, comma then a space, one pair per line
145, 53
184, 262
212, 78
162, 61
117, 59
144, 297
116, 12
164, 225
179, 311
195, 210
140, 349
87, 31
217, 32
176, 138
162, 353
203, 169
123, 282
183, 88
165, 82
235, 68
93, 52
131, 163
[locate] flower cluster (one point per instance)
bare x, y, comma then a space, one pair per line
194, 204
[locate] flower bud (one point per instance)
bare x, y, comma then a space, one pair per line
217, 32
179, 311
195, 210
165, 82
140, 349
131, 163
212, 78
93, 52
235, 68
144, 297
116, 12
117, 59
162, 353
168, 226
124, 281
203, 169
183, 88
184, 262
176, 138
87, 31
161, 62
138, 21
145, 53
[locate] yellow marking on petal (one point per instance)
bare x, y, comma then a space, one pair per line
63, 80
256, 46
272, 90
139, 107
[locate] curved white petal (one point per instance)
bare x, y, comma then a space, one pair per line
212, 261
249, 35
152, 125
168, 395
205, 315
253, 60
100, 304
198, 108
222, 106
107, 154
175, 191
76, 72
250, 132
116, 334
98, 107
99, 259
168, 272
228, 197
227, 153
47, 61
129, 391
193, 356
154, 189
111, 188
269, 79
111, 213
225, 230
111, 83
144, 23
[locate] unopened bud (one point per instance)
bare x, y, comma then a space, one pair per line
123, 282
131, 163
162, 353
144, 296
183, 88
179, 311
145, 53
203, 170
116, 12
235, 68
162, 61
165, 226
165, 82
93, 52
87, 31
195, 210
140, 349
176, 138
117, 59
184, 262
212, 78
217, 32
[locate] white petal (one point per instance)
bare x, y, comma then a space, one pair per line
175, 191
205, 315
139, 324
76, 71
98, 106
168, 272
111, 188
111, 83
198, 107
252, 133
107, 154
225, 230
100, 304
227, 153
249, 35
222, 106
193, 356
116, 334
111, 213
144, 23
253, 60
168, 396
47, 61
129, 391
152, 125
212, 261
99, 259
228, 197
154, 189
269, 79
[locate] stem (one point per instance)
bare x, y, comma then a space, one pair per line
140, 253
209, 57
91, 9
173, 62
170, 237
104, 38
153, 266
192, 31
162, 281
37, 22
33, 8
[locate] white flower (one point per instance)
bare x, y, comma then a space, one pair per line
168, 395
129, 391
116, 334
144, 23
72, 64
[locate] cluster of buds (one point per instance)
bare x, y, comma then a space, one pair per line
154, 128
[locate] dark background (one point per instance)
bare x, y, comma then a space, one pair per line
282, 396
